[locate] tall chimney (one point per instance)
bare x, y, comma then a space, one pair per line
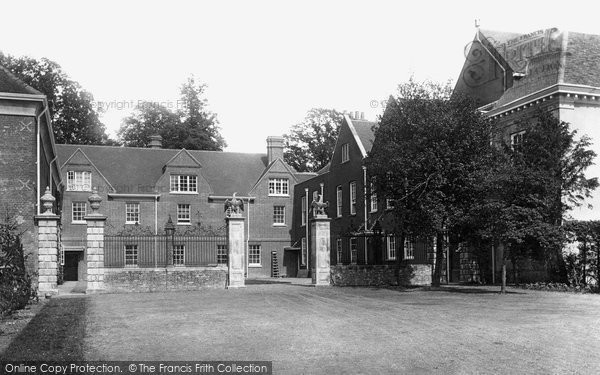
274, 148
362, 115
356, 115
155, 141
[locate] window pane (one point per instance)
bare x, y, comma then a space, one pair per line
131, 255
179, 255
221, 254
254, 255
183, 213
279, 214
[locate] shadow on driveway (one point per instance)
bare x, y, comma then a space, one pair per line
57, 332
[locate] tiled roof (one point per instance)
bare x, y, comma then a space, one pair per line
325, 169
11, 84
583, 60
304, 176
364, 130
546, 58
128, 168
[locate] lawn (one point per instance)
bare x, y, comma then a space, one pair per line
308, 330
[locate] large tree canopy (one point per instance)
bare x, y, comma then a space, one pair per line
75, 117
191, 127
532, 186
309, 144
429, 149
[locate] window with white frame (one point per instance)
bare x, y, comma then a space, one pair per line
353, 250
132, 213
389, 204
78, 212
345, 152
179, 255
339, 201
338, 248
183, 214
131, 255
409, 248
304, 210
373, 199
279, 215
304, 249
279, 187
516, 140
181, 183
254, 255
79, 181
353, 198
221, 254
391, 247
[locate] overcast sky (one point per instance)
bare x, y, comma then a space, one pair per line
266, 63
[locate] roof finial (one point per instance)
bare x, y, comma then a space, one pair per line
477, 23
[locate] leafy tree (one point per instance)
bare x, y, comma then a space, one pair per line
147, 119
586, 264
429, 149
75, 118
531, 188
191, 127
309, 144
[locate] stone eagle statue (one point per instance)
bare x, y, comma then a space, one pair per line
234, 205
319, 206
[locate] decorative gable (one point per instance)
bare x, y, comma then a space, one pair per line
278, 168
183, 159
79, 161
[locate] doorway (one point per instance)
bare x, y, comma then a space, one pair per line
74, 267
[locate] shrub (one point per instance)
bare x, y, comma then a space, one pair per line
15, 284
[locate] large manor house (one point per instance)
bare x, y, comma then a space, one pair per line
145, 191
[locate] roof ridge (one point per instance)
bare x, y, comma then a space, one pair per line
20, 81
160, 149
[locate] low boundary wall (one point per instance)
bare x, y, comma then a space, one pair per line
126, 280
381, 275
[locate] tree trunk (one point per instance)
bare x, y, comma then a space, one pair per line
584, 262
398, 257
503, 287
513, 261
439, 260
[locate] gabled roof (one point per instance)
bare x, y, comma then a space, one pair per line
11, 84
136, 170
269, 167
545, 58
362, 130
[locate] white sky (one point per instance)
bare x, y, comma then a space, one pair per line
266, 63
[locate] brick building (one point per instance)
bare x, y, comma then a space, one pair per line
142, 187
27, 159
354, 209
514, 75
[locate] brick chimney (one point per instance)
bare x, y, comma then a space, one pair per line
274, 148
155, 141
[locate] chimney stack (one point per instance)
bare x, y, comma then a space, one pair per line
356, 115
274, 148
362, 115
155, 141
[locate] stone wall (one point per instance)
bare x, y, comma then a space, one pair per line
124, 280
380, 275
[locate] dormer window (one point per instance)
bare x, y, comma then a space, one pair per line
79, 181
279, 187
345, 152
183, 183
